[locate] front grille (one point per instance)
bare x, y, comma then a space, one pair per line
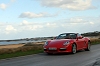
52, 50
62, 49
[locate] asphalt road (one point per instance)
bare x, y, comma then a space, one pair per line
81, 58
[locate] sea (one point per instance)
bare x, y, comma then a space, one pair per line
17, 42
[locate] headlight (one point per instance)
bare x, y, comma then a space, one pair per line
66, 43
46, 43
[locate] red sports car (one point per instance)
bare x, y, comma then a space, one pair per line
67, 42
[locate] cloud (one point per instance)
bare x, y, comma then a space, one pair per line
34, 15
26, 29
51, 24
68, 4
3, 6
25, 25
76, 19
12, 0
72, 24
92, 23
10, 29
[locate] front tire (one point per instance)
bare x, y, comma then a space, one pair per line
74, 49
88, 46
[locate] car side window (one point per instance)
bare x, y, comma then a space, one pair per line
73, 36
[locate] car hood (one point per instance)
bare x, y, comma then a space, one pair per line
57, 42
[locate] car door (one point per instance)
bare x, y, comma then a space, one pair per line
84, 43
80, 41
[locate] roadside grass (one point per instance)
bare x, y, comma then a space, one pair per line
29, 49
95, 41
20, 53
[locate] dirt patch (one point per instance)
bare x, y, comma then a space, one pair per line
11, 46
19, 45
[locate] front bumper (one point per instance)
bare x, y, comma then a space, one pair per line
58, 50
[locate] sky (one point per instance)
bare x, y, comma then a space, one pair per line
43, 18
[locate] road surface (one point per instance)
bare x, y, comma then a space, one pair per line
81, 58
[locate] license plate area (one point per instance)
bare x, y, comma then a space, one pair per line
52, 48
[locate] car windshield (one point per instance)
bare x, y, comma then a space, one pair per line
67, 36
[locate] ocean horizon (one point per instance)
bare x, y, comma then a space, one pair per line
17, 42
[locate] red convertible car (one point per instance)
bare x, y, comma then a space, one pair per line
67, 42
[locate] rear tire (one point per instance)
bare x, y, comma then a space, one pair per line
74, 49
88, 47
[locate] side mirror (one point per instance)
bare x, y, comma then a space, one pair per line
54, 37
80, 37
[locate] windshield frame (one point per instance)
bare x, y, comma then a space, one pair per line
67, 36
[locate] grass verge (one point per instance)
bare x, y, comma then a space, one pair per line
20, 53
95, 41
27, 49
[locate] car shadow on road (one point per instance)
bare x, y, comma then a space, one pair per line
61, 54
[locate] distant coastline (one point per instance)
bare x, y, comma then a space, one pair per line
26, 40
18, 42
